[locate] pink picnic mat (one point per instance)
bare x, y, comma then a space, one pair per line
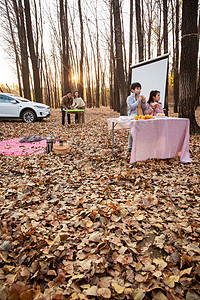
13, 147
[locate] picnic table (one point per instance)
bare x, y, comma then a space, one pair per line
160, 137
80, 112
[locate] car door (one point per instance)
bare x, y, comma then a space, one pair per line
8, 109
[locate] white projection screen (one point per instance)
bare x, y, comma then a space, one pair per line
152, 74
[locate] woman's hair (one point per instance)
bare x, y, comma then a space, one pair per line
75, 93
151, 95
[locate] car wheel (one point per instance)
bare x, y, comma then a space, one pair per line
28, 116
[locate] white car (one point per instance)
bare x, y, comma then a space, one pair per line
14, 107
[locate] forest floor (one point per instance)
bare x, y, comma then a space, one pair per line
84, 226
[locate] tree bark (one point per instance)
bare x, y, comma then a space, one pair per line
88, 89
139, 31
97, 61
176, 66
23, 47
198, 82
149, 13
188, 64
17, 61
130, 44
119, 57
34, 57
159, 40
111, 66
80, 85
165, 34
65, 47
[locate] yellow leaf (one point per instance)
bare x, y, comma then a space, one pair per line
49, 242
186, 271
170, 281
104, 292
92, 291
160, 262
89, 224
118, 288
78, 276
138, 294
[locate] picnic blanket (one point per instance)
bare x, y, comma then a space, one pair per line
14, 147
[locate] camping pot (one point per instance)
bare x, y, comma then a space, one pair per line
49, 147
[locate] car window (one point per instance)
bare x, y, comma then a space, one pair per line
5, 99
22, 99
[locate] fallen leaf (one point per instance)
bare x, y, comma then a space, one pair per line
118, 288
170, 281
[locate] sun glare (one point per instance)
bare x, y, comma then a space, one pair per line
75, 78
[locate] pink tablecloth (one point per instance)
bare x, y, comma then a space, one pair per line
13, 147
160, 138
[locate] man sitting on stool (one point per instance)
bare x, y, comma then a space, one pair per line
66, 103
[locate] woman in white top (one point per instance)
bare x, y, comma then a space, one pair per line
78, 103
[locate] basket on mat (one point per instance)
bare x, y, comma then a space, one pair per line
61, 149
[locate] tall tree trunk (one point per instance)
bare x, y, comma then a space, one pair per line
149, 13
159, 40
34, 57
23, 47
198, 82
119, 57
124, 48
173, 44
88, 89
188, 65
80, 86
130, 44
65, 46
116, 90
97, 61
143, 30
176, 67
111, 66
165, 34
17, 61
139, 31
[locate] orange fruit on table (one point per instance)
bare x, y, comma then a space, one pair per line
142, 117
151, 117
136, 118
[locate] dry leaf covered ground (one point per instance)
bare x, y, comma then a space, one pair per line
84, 226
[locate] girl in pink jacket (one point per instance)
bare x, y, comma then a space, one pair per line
153, 105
